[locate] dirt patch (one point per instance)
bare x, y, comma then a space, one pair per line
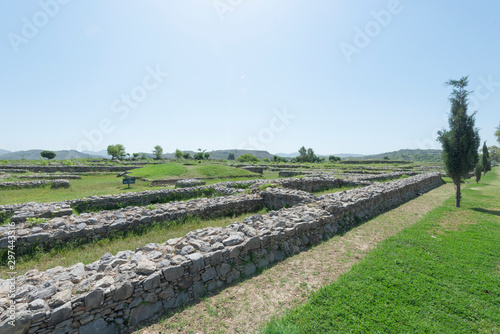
454, 221
245, 307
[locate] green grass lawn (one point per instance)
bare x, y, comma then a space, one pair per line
177, 171
93, 185
441, 275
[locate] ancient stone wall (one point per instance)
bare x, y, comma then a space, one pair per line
67, 169
51, 176
108, 202
120, 292
34, 184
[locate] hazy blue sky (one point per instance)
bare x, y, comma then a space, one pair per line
335, 75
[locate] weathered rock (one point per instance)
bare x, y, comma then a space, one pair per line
99, 326
22, 323
173, 273
145, 267
152, 282
94, 299
144, 312
60, 314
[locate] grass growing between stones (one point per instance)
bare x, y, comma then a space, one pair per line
70, 254
439, 275
335, 190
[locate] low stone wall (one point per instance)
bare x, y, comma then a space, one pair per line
318, 183
254, 169
57, 209
51, 177
60, 183
290, 173
120, 292
383, 177
112, 202
359, 162
167, 182
13, 170
67, 169
24, 184
189, 183
277, 198
20, 212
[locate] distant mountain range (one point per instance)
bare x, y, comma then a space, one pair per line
101, 153
72, 154
35, 155
408, 155
341, 155
223, 154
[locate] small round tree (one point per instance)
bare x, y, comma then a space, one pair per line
158, 152
248, 158
178, 154
48, 154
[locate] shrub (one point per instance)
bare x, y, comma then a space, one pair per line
478, 171
248, 158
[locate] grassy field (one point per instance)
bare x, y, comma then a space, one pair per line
176, 170
95, 185
441, 275
71, 254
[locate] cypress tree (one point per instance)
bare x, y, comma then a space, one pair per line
486, 159
461, 142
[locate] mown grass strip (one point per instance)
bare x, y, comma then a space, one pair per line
69, 254
439, 275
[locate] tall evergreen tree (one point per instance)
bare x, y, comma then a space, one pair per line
461, 142
478, 171
486, 159
497, 133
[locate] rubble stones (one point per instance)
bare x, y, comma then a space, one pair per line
60, 183
189, 183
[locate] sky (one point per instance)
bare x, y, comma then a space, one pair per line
338, 76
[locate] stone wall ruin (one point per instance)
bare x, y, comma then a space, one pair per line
120, 292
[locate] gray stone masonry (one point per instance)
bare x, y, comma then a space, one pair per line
189, 183
51, 176
120, 292
34, 184
109, 202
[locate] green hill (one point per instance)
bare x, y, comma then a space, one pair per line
35, 155
408, 155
